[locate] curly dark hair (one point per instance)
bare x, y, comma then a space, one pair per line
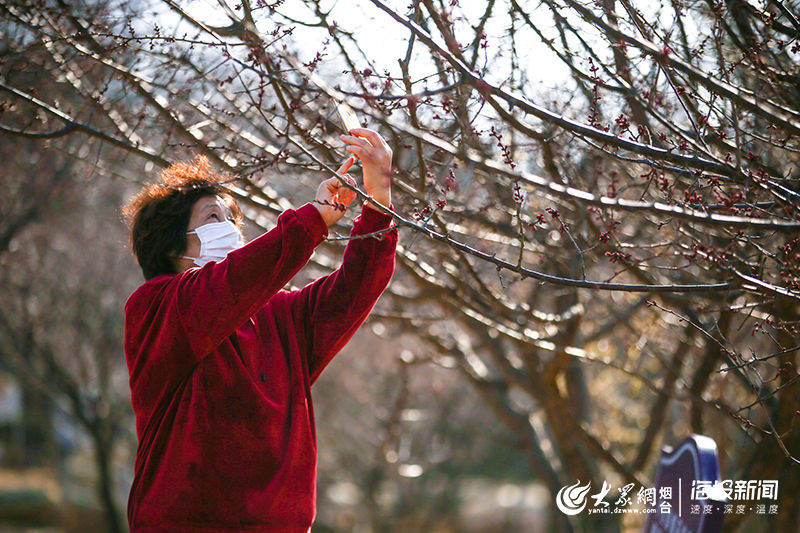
158, 216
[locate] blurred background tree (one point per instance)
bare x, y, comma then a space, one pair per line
599, 213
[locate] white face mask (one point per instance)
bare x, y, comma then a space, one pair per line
216, 240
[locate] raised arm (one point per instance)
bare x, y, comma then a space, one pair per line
172, 323
333, 307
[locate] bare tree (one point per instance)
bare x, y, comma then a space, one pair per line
61, 320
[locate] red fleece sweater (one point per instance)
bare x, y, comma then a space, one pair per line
221, 363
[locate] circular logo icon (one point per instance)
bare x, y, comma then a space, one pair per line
572, 499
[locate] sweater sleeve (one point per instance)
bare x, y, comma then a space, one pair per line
333, 307
177, 322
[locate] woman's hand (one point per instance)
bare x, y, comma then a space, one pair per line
332, 197
376, 158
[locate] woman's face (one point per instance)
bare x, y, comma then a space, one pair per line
206, 210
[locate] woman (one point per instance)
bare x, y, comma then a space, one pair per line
222, 359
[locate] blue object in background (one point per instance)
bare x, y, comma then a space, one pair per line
694, 460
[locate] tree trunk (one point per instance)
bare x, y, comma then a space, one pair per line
103, 447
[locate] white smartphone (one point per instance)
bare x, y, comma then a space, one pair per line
347, 117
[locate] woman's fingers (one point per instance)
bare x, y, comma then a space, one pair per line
355, 141
368, 146
345, 194
337, 193
357, 151
376, 159
336, 183
346, 165
373, 136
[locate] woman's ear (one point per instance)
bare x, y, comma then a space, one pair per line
175, 260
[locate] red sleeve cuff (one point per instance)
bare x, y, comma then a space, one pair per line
311, 218
375, 219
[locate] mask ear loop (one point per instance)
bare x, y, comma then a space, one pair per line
192, 259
